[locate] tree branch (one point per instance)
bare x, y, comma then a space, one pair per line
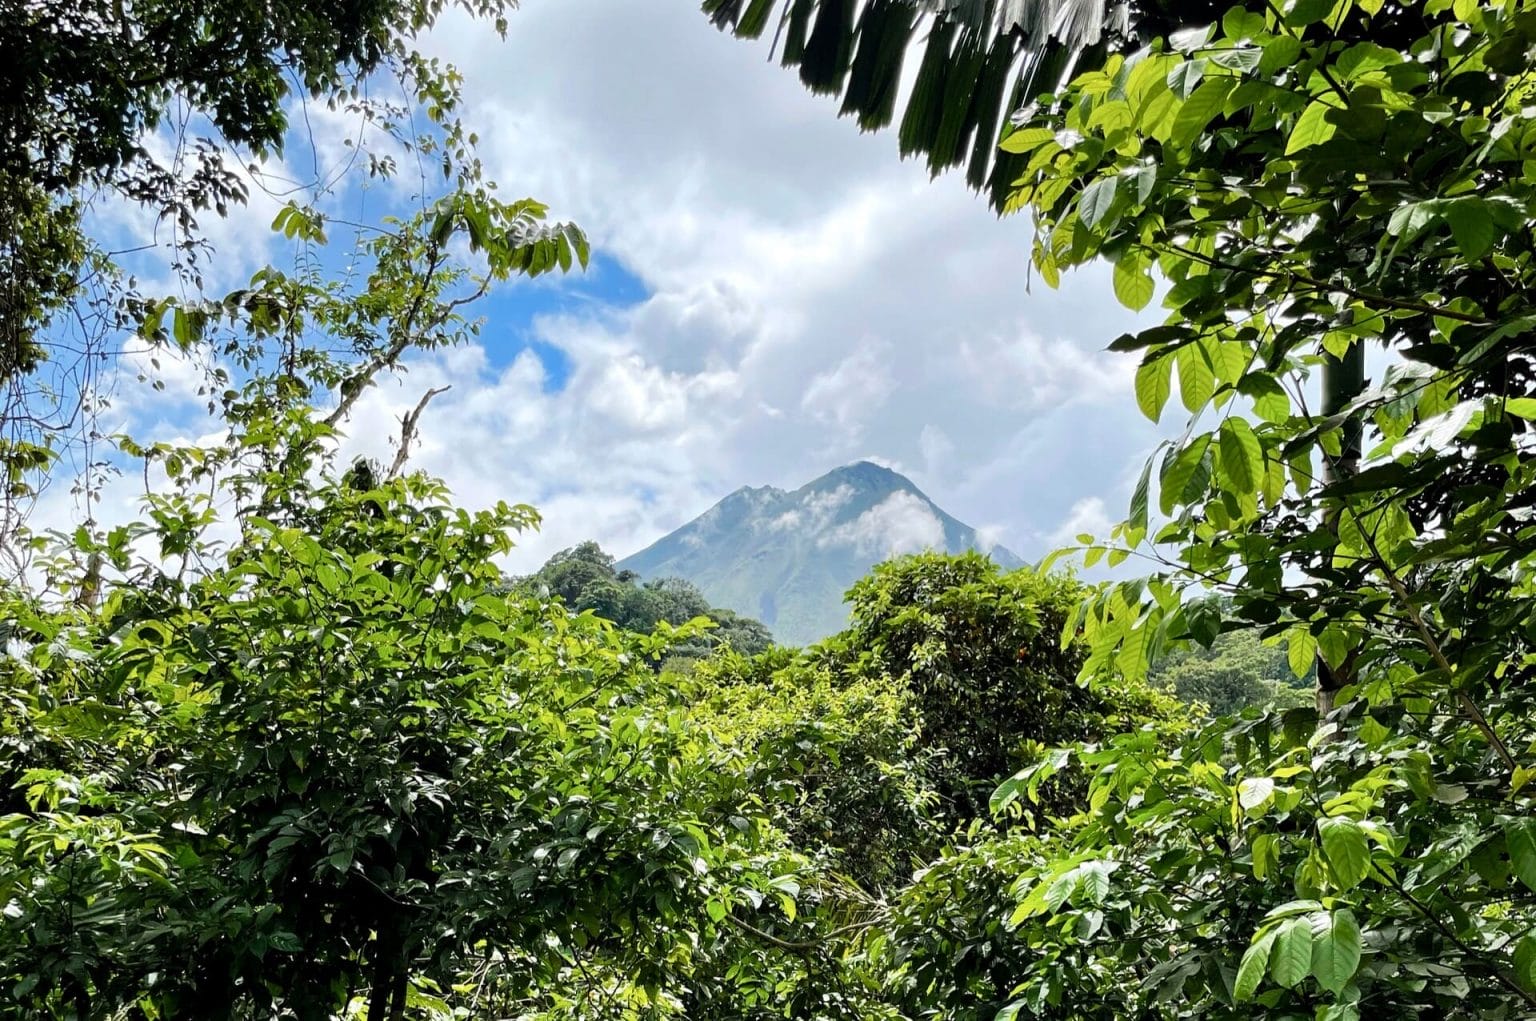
408, 430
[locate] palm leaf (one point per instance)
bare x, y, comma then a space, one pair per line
980, 58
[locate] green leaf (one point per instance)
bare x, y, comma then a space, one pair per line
1197, 382
1301, 13
1181, 473
1199, 109
1095, 884
1411, 219
1027, 140
1521, 407
1133, 281
1097, 200
1520, 839
1251, 971
1242, 457
1335, 950
1254, 791
1185, 77
1139, 499
1471, 226
1291, 959
1244, 60
1347, 850
1335, 645
1312, 128
1153, 386
1525, 962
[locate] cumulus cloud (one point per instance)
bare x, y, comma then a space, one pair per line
814, 512
1087, 517
901, 523
805, 299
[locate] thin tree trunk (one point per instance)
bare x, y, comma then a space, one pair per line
1343, 381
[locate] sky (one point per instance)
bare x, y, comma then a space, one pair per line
772, 294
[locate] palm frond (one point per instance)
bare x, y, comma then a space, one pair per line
979, 59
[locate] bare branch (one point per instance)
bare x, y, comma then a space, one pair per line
408, 429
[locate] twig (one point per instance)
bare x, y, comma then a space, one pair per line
408, 429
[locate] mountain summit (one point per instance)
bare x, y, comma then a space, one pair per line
786, 558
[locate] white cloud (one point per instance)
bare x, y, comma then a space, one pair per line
901, 523
1087, 517
810, 300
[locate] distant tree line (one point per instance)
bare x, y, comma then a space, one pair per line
584, 578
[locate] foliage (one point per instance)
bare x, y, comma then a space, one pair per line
1309, 180
335, 762
220, 82
1235, 673
836, 758
100, 77
990, 678
585, 579
979, 61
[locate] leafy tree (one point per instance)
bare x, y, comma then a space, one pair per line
1309, 179
219, 81
1235, 673
584, 578
343, 766
837, 758
990, 677
100, 76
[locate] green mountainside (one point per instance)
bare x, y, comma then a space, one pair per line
787, 558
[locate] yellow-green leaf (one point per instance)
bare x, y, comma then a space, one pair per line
1133, 281
1153, 386
1196, 380
1301, 651
1242, 458
1311, 128
1347, 851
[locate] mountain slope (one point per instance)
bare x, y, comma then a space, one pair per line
786, 558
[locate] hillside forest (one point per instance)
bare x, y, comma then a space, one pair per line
291, 744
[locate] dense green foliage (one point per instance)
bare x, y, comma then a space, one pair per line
584, 578
896, 732
174, 107
290, 748
1297, 183
980, 651
1236, 672
335, 763
1311, 180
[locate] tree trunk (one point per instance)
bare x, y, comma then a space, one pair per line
1343, 381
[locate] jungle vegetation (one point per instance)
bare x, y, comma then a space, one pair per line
289, 746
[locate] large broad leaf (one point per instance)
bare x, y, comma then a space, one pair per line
1291, 959
1347, 850
1520, 838
1242, 457
1154, 384
1525, 962
1335, 949
1133, 281
1098, 199
1251, 971
1197, 380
